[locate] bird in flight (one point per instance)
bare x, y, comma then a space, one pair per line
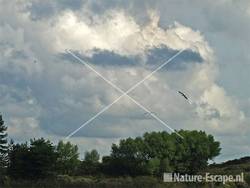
183, 95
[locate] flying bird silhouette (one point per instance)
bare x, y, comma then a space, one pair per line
183, 95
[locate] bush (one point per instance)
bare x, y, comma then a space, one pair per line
247, 179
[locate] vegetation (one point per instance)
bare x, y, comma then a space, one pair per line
134, 162
91, 164
159, 152
67, 158
3, 146
35, 161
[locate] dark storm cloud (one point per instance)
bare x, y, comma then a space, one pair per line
103, 58
155, 56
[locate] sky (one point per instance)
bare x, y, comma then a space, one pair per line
45, 92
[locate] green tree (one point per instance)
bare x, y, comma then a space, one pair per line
92, 156
153, 166
67, 158
3, 145
32, 162
159, 152
129, 157
194, 151
91, 164
165, 166
19, 164
42, 158
159, 145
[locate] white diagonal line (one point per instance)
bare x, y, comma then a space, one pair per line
124, 93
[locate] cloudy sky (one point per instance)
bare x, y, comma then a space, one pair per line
45, 92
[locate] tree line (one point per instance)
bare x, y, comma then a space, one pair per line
151, 154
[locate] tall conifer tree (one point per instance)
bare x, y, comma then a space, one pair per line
3, 144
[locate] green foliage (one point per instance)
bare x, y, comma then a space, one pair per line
128, 158
194, 151
89, 168
91, 164
149, 155
247, 179
165, 166
3, 145
32, 162
160, 144
153, 166
67, 158
42, 158
159, 152
92, 156
19, 161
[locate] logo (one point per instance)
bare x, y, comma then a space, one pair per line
207, 177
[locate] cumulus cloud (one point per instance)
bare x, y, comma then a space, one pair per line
118, 32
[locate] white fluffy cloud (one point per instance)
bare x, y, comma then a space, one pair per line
116, 31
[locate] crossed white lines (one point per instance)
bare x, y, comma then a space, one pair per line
124, 93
